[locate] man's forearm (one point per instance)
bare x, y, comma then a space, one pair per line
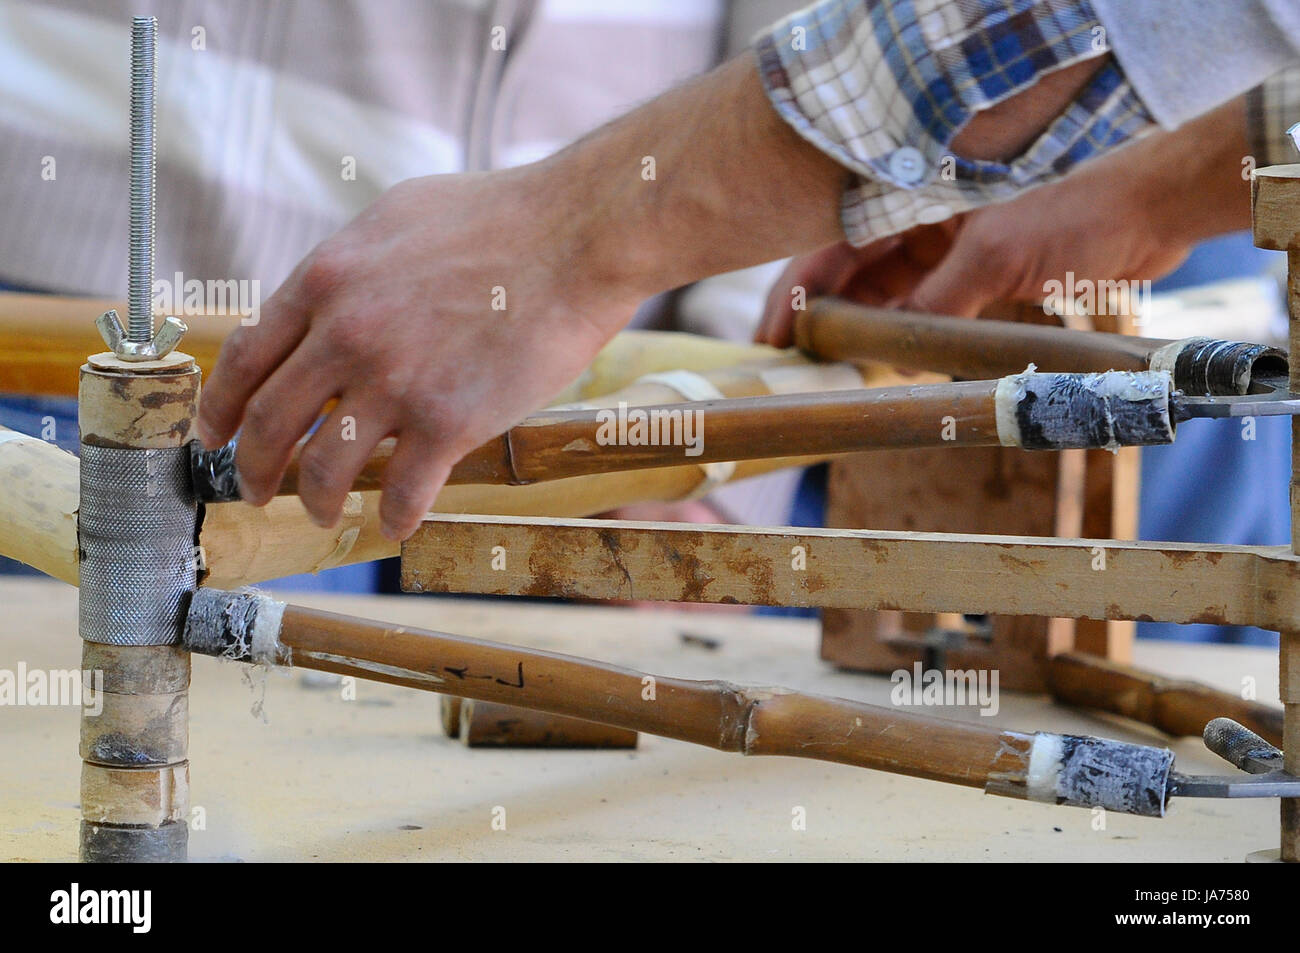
709, 178
705, 179
1196, 178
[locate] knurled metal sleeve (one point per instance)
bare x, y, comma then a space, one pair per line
136, 527
1237, 744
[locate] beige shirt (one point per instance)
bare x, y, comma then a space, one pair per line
279, 120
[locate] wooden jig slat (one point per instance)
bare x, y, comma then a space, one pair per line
915, 572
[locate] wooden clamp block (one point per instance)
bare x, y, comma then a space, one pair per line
995, 490
483, 724
1275, 220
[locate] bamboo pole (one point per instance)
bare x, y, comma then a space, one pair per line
834, 329
1175, 706
482, 724
494, 463
554, 445
1036, 411
715, 714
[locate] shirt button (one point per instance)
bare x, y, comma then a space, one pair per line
907, 165
933, 214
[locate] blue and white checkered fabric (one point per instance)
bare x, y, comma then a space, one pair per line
883, 86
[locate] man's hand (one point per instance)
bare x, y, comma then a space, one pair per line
396, 316
1131, 215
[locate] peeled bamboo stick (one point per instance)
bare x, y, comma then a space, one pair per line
834, 329
246, 545
1177, 707
752, 721
41, 487
632, 355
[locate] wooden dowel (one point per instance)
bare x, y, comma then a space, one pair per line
482, 724
1177, 707
47, 362
716, 714
834, 329
1275, 224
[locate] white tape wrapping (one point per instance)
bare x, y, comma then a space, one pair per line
1091, 772
1085, 411
1006, 398
1045, 755
264, 639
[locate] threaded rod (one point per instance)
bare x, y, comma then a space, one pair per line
144, 35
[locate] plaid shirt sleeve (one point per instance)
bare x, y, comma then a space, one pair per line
1271, 109
883, 86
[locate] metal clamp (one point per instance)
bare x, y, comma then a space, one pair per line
136, 536
138, 342
1242, 748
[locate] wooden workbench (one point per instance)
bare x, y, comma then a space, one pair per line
323, 778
